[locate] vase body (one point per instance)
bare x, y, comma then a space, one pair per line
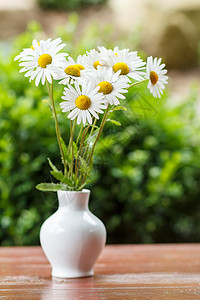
72, 238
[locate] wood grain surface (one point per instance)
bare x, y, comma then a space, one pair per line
122, 272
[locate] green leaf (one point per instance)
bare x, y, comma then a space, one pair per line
51, 187
58, 175
114, 122
81, 187
84, 166
52, 165
64, 147
91, 137
119, 108
45, 101
95, 126
67, 181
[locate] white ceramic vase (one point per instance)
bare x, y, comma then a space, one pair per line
72, 238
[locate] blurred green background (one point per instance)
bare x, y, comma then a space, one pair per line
145, 183
67, 4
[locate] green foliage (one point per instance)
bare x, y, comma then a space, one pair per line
145, 184
51, 187
27, 135
67, 4
147, 176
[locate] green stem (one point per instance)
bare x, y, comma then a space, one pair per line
91, 132
99, 134
135, 83
71, 138
103, 122
93, 127
77, 163
97, 138
79, 135
50, 91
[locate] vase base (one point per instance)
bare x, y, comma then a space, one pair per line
59, 275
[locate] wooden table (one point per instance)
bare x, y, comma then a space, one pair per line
122, 272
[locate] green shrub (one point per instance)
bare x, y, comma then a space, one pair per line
147, 179
145, 184
67, 4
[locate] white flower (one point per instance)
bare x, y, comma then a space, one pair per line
42, 60
129, 63
82, 102
156, 75
104, 51
112, 85
71, 70
92, 59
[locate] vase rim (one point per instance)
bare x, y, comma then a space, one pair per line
84, 191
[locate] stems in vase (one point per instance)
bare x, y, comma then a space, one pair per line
58, 134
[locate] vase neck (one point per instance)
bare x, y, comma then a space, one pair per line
73, 200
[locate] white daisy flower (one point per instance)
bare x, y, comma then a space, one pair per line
92, 59
156, 75
82, 102
105, 51
71, 70
129, 63
42, 60
26, 51
111, 84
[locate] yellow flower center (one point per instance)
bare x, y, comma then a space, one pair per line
121, 66
96, 64
105, 87
83, 102
44, 60
73, 70
153, 77
80, 67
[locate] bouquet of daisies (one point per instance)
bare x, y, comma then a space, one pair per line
94, 85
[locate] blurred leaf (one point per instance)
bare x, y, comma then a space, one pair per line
52, 166
64, 147
67, 181
75, 149
81, 187
51, 187
84, 166
119, 108
91, 137
58, 175
114, 122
